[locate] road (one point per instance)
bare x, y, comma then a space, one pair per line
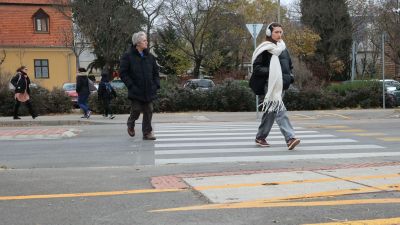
204, 171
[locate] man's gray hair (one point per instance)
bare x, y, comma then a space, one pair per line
139, 36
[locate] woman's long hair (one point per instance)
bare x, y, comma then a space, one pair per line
21, 68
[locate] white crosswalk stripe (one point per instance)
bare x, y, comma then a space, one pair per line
222, 142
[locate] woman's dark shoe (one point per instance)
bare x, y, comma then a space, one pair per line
34, 116
16, 118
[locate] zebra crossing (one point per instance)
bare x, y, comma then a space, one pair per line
234, 142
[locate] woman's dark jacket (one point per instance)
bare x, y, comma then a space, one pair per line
105, 94
140, 74
82, 84
21, 83
260, 75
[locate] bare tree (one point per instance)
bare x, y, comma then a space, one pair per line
388, 21
191, 19
108, 25
3, 57
74, 40
151, 10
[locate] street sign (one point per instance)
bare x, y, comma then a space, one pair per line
254, 29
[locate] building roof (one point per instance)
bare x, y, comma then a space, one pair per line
18, 30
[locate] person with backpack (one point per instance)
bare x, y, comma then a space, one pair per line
105, 94
21, 84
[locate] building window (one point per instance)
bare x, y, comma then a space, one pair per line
41, 68
41, 21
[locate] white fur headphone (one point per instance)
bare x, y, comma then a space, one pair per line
268, 31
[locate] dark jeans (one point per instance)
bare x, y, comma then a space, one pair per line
147, 109
106, 106
82, 102
28, 105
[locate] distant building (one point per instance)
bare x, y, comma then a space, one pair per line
36, 34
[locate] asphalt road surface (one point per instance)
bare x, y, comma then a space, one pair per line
345, 171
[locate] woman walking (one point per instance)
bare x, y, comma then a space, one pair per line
21, 83
272, 75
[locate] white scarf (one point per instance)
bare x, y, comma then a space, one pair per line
273, 99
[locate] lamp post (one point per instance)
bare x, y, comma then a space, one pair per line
279, 11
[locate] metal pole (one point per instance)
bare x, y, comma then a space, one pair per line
279, 11
353, 61
255, 46
383, 70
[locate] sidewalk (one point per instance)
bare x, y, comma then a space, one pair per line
196, 117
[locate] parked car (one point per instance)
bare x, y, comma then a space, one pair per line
391, 85
70, 90
199, 84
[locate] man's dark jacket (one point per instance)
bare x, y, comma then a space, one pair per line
140, 74
260, 75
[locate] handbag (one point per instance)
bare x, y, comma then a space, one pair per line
91, 85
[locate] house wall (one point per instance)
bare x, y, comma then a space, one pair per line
62, 67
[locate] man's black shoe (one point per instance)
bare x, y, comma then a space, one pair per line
131, 131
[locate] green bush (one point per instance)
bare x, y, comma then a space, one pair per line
357, 94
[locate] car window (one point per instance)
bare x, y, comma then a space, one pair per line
205, 83
69, 87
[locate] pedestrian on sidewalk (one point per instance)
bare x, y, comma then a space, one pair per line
83, 91
272, 75
21, 84
139, 71
105, 94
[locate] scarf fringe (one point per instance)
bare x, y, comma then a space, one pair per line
273, 106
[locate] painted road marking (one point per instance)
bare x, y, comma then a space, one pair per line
386, 221
286, 201
89, 194
228, 134
224, 159
251, 143
334, 115
270, 149
352, 130
294, 182
243, 205
238, 138
177, 144
332, 126
390, 139
369, 134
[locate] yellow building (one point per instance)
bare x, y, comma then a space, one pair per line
36, 34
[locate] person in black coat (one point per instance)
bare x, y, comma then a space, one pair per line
140, 73
272, 75
105, 94
83, 91
21, 84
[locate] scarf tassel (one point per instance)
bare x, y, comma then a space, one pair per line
273, 106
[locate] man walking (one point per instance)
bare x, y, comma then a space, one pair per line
139, 71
